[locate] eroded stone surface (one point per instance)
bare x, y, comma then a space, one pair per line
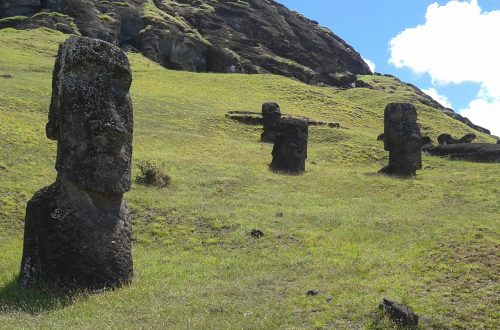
290, 146
476, 152
78, 230
399, 313
402, 139
446, 138
271, 115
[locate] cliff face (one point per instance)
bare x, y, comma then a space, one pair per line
254, 36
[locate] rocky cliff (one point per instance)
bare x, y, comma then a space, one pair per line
252, 36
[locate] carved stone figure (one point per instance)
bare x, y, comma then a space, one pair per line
290, 145
402, 139
271, 115
446, 138
78, 230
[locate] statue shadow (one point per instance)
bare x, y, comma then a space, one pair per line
13, 299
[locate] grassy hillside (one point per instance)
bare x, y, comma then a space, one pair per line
356, 237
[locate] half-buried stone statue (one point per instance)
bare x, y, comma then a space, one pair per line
402, 139
290, 146
271, 115
78, 230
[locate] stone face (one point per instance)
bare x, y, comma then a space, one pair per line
78, 230
467, 138
402, 139
290, 146
271, 115
446, 138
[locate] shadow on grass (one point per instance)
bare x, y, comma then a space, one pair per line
13, 299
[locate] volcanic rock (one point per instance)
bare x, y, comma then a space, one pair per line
399, 313
78, 230
290, 146
271, 115
261, 36
477, 152
402, 139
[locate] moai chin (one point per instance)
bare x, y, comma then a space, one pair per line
290, 146
78, 230
271, 115
402, 139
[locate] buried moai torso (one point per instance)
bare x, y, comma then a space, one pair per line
78, 230
290, 145
402, 139
271, 115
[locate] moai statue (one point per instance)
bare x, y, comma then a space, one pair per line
78, 230
271, 115
402, 139
290, 146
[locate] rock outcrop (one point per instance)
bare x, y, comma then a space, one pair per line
290, 146
10, 8
402, 139
78, 230
255, 36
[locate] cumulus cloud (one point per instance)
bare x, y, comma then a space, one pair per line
484, 113
370, 63
432, 92
458, 43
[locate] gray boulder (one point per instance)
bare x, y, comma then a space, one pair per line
78, 230
402, 139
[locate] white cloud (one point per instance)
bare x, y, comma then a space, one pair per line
458, 43
432, 92
484, 113
370, 63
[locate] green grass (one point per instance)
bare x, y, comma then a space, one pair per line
357, 237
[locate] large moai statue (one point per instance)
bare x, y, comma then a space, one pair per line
78, 230
271, 115
402, 139
290, 145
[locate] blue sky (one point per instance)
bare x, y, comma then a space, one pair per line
370, 25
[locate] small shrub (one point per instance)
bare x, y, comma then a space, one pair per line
153, 174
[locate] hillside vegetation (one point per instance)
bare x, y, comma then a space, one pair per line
341, 229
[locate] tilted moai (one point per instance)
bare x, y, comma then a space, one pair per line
271, 115
290, 145
78, 230
402, 139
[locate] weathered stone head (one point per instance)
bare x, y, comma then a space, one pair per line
402, 139
78, 231
290, 145
271, 115
91, 115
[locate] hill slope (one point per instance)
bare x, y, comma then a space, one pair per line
339, 228
257, 36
